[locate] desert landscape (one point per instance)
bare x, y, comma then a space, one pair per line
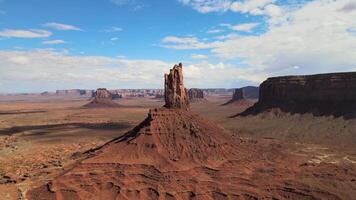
178, 100
78, 147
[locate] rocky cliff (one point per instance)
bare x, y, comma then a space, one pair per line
321, 94
244, 95
175, 94
195, 94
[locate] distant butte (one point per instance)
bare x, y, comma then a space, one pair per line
244, 96
196, 94
101, 98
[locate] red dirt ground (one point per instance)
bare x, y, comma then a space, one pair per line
176, 154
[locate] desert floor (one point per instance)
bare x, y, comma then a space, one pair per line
42, 137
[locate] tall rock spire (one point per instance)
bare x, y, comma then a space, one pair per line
175, 94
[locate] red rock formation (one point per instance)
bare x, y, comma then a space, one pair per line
174, 91
176, 154
102, 98
322, 94
244, 96
196, 94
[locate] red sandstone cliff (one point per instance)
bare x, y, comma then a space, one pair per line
321, 94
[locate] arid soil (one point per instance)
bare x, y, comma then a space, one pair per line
273, 155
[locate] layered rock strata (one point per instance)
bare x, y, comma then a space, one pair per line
174, 91
321, 94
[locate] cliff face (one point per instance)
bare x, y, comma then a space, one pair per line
322, 94
175, 94
195, 94
243, 95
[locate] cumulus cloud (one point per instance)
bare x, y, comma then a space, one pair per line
172, 42
199, 56
112, 29
255, 7
206, 6
250, 6
17, 33
47, 69
247, 27
314, 42
54, 42
62, 27
297, 37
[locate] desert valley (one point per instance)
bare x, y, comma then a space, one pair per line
272, 142
178, 100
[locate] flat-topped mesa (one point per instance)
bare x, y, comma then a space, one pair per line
101, 98
175, 94
321, 94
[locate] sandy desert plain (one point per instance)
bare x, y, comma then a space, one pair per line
43, 137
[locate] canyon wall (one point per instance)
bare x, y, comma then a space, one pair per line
321, 94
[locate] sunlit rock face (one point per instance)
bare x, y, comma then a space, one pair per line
176, 95
321, 94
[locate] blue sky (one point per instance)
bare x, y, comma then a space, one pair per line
50, 44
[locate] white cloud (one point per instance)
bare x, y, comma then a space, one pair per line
181, 43
17, 33
199, 56
255, 7
247, 27
180, 40
214, 31
206, 6
121, 2
249, 6
114, 39
54, 42
301, 36
47, 69
313, 42
62, 27
113, 29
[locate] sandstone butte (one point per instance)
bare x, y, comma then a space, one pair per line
244, 96
321, 94
196, 94
177, 154
101, 98
174, 91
